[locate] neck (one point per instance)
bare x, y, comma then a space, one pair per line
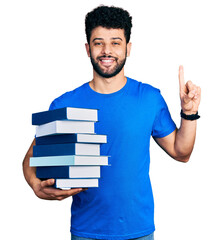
108, 85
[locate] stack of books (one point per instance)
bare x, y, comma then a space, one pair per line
67, 147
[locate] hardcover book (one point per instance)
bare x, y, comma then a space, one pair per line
76, 183
71, 138
66, 149
69, 160
68, 172
67, 113
57, 127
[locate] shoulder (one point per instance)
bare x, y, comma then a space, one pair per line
144, 89
67, 98
148, 96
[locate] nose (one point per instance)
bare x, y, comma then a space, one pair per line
107, 50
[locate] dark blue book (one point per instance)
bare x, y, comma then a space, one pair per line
71, 138
68, 113
66, 149
68, 172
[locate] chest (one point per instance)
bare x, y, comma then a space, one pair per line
125, 117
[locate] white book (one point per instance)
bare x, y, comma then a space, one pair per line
76, 183
69, 160
87, 149
84, 171
91, 138
82, 114
58, 127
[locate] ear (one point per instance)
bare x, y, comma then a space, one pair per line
129, 46
87, 49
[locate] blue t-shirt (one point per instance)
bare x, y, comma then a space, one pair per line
122, 206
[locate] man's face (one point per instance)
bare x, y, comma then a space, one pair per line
108, 51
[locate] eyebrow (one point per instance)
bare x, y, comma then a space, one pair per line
114, 38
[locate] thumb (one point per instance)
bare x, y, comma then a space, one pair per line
47, 183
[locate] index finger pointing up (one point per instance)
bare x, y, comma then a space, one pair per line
181, 78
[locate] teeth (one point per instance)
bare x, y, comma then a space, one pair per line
107, 61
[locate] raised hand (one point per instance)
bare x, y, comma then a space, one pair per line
190, 94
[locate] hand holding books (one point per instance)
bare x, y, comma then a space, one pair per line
45, 190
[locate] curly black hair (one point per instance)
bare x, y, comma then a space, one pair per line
108, 17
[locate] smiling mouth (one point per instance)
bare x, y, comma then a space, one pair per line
107, 61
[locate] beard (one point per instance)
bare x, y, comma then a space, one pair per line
109, 73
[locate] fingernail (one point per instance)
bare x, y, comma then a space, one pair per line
51, 181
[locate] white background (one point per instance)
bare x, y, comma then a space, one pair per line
42, 55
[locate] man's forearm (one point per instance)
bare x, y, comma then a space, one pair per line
43, 189
29, 172
185, 139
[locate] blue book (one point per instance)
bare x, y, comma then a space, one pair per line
68, 113
71, 138
66, 149
68, 172
69, 160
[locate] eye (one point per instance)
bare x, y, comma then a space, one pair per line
98, 43
116, 43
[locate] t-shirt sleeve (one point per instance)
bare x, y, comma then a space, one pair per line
163, 123
62, 101
52, 106
57, 103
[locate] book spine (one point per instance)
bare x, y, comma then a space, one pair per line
52, 161
68, 172
65, 127
49, 116
56, 139
54, 150
66, 149
52, 172
69, 160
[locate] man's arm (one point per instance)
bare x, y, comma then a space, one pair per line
44, 189
179, 144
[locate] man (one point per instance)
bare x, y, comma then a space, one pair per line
129, 113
